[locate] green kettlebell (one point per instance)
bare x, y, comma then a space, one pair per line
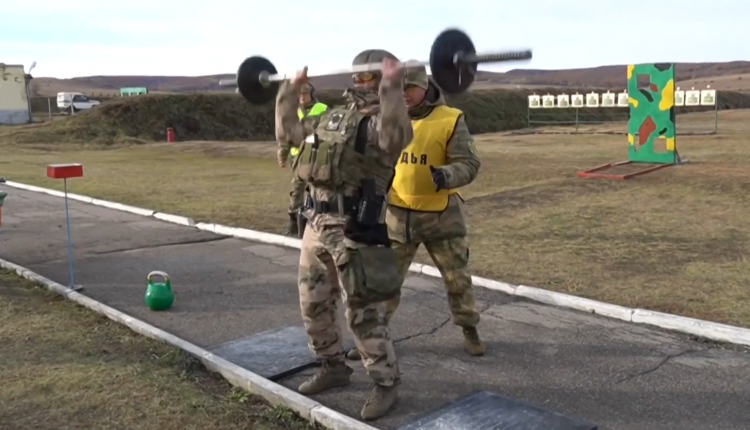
159, 295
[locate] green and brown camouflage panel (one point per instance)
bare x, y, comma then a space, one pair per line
652, 114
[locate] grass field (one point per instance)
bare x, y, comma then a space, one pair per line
673, 241
64, 367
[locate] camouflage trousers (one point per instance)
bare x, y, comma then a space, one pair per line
297, 194
451, 257
331, 267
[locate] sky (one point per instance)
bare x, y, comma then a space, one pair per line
71, 38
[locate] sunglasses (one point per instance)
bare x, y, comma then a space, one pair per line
361, 78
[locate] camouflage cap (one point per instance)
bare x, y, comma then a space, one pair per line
372, 56
307, 88
416, 75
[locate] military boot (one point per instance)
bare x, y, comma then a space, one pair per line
332, 374
472, 344
354, 354
292, 229
380, 402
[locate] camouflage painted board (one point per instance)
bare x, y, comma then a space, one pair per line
652, 114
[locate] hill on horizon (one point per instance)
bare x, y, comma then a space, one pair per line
734, 76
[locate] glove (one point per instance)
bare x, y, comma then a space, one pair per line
438, 177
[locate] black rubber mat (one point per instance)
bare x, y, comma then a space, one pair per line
272, 354
483, 410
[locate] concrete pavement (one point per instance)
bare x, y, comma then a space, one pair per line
618, 375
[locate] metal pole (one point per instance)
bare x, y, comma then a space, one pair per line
716, 117
49, 108
71, 270
528, 116
496, 57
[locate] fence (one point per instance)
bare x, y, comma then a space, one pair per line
584, 111
45, 108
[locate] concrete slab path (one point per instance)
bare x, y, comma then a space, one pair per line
618, 375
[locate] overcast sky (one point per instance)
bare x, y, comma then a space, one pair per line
70, 38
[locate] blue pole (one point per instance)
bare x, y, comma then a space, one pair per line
70, 243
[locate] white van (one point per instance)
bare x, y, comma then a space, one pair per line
77, 100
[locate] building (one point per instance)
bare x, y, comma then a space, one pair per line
128, 92
14, 95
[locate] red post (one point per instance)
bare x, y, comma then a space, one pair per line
65, 172
170, 135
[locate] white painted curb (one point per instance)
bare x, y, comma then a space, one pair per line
273, 393
706, 329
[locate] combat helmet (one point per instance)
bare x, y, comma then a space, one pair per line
372, 56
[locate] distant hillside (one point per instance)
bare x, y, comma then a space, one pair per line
733, 76
228, 117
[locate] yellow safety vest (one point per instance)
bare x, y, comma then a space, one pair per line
317, 109
412, 186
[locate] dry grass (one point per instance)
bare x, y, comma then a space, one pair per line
64, 367
674, 241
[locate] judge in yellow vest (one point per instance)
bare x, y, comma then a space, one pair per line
425, 206
309, 107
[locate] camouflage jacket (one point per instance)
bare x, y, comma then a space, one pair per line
282, 154
390, 132
461, 168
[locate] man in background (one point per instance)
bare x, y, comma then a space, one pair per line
309, 107
425, 206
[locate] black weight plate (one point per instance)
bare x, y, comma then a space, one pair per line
248, 80
452, 78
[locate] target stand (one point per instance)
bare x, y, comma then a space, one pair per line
600, 171
652, 121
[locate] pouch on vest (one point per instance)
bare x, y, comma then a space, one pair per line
315, 161
371, 274
303, 162
371, 205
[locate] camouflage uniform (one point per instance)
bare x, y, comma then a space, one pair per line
340, 256
297, 193
443, 233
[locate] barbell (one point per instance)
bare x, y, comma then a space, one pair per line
453, 62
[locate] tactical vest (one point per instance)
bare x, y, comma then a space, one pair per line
412, 186
335, 155
317, 109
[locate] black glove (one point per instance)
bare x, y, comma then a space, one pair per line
438, 177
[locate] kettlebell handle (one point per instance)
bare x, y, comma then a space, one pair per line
158, 273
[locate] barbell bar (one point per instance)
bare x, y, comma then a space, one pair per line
453, 62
